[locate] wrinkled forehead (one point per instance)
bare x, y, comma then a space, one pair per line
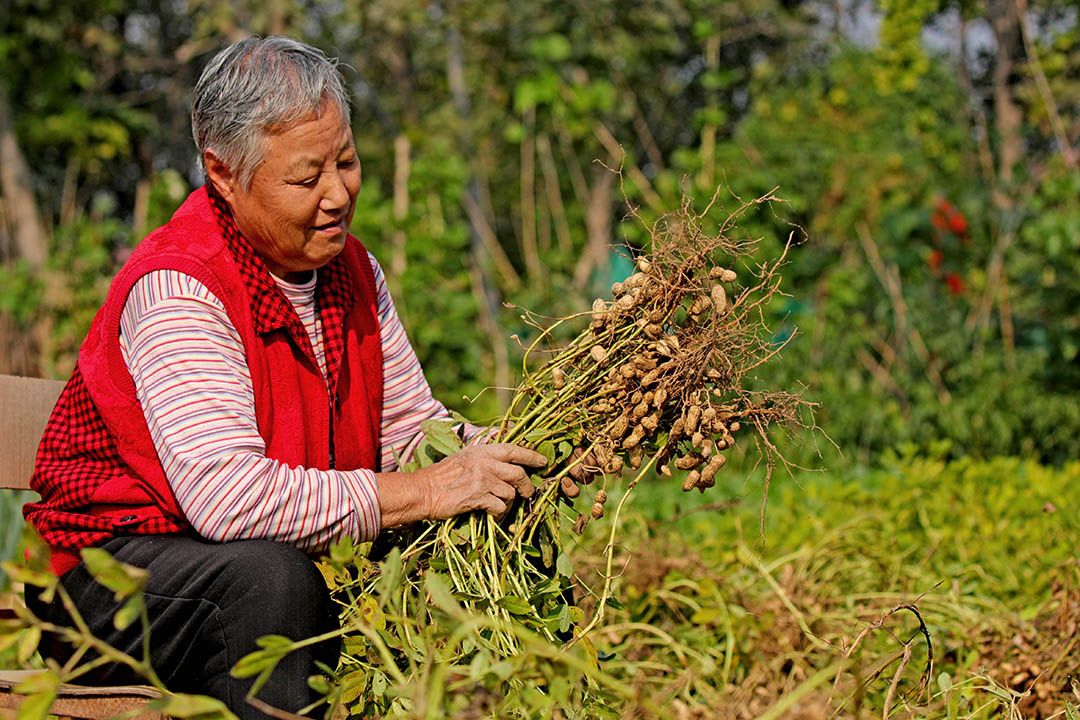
307, 143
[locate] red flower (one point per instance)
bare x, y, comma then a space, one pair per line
956, 285
958, 224
947, 218
935, 259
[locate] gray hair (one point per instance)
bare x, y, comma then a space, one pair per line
254, 85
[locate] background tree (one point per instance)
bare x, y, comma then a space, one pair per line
925, 149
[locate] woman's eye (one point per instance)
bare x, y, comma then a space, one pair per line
347, 163
307, 182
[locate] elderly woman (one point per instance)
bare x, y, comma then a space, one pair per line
242, 396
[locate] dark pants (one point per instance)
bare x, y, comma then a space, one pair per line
207, 605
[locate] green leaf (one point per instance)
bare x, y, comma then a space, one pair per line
342, 551
129, 613
1029, 613
564, 565
378, 684
554, 48
180, 705
352, 685
441, 436
559, 619
371, 612
459, 418
41, 689
547, 449
274, 647
9, 638
547, 551
275, 642
513, 132
526, 95
391, 570
547, 587
502, 670
319, 684
426, 455
438, 589
28, 643
515, 605
123, 580
26, 576
707, 616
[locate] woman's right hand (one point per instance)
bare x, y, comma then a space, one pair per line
477, 477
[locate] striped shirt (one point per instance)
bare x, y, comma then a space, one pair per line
187, 361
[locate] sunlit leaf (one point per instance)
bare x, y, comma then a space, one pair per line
180, 705
441, 436
707, 616
274, 647
128, 613
123, 580
515, 605
564, 565
41, 689
27, 576
438, 589
28, 643
378, 684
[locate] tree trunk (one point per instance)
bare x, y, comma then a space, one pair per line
1008, 117
598, 221
485, 289
529, 249
402, 169
29, 240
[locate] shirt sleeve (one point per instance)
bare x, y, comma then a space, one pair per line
191, 377
407, 397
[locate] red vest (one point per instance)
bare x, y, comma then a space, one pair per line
97, 470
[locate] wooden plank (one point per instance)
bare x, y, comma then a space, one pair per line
25, 406
76, 701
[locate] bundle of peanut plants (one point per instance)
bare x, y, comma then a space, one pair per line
654, 387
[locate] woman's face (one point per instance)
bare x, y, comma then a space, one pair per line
302, 196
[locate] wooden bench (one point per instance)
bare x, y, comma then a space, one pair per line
25, 405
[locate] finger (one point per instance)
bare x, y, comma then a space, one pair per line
494, 505
516, 454
502, 490
569, 487
514, 476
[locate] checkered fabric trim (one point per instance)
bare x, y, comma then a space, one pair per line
335, 294
76, 430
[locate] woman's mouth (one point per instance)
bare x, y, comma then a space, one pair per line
337, 226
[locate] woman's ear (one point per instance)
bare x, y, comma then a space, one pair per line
220, 176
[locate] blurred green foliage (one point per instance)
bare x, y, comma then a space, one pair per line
932, 287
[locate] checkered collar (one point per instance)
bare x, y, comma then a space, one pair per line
335, 293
